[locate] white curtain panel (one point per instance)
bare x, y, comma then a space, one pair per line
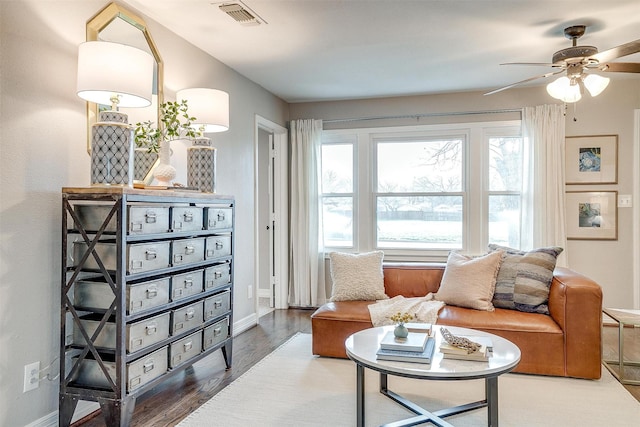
544, 177
306, 278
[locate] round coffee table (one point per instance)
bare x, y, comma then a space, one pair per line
362, 347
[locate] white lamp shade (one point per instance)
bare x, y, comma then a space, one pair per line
210, 107
595, 84
563, 90
106, 69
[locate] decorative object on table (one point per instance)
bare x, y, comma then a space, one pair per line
591, 159
462, 348
423, 356
175, 123
413, 342
400, 319
119, 75
592, 215
211, 107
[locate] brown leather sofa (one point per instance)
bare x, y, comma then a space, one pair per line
565, 343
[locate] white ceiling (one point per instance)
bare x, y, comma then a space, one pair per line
311, 50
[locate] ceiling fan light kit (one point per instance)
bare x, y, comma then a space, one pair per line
577, 62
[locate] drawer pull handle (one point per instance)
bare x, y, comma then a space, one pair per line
151, 254
188, 217
217, 274
152, 328
190, 314
219, 244
217, 304
188, 345
148, 366
189, 250
151, 217
152, 292
217, 331
220, 216
188, 283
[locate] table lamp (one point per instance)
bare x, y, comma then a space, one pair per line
210, 107
117, 75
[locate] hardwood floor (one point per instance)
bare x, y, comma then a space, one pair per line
170, 402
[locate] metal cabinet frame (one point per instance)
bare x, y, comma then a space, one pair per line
116, 403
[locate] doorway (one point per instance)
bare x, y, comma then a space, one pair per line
271, 216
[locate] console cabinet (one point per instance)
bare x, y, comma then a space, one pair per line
147, 290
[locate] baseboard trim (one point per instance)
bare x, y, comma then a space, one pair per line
83, 409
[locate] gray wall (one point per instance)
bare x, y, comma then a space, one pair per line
610, 263
43, 148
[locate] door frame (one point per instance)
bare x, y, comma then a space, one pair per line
281, 199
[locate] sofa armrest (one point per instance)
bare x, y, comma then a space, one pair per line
575, 303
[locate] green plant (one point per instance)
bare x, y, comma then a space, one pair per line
176, 124
401, 318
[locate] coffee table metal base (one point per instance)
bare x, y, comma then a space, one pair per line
422, 415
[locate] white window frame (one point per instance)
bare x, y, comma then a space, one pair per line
475, 182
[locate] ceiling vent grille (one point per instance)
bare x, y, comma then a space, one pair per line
240, 13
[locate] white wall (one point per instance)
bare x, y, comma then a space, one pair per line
610, 263
43, 148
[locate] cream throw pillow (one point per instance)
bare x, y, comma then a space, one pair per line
357, 277
470, 282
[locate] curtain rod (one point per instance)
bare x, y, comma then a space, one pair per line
418, 116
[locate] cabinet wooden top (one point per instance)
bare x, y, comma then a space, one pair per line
121, 191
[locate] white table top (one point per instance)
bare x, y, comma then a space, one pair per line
624, 316
362, 347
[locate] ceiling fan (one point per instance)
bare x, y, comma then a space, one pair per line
579, 62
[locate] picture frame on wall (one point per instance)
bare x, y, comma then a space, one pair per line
592, 215
591, 159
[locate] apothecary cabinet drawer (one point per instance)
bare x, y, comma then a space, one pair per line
218, 246
217, 305
186, 318
185, 349
139, 334
186, 218
139, 372
187, 251
219, 218
217, 276
215, 333
141, 219
140, 257
186, 284
95, 293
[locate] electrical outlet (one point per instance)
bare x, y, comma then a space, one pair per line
31, 376
250, 291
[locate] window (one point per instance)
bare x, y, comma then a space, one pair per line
419, 192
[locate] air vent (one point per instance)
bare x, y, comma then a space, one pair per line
240, 13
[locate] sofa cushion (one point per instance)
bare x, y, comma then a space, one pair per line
470, 282
524, 278
357, 277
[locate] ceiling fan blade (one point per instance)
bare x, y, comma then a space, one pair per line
617, 52
541, 64
524, 81
620, 67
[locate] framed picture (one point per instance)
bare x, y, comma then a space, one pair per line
592, 215
591, 159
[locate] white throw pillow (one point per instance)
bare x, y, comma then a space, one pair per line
357, 277
470, 282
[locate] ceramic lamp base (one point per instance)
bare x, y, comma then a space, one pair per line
112, 154
201, 166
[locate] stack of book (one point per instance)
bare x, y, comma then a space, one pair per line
482, 354
416, 347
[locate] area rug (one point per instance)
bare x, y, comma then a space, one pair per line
291, 387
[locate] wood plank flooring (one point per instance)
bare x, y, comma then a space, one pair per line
170, 402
